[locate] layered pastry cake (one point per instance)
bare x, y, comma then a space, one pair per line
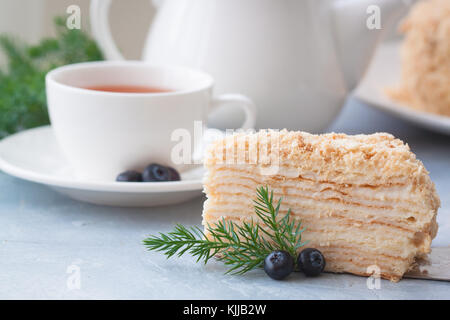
365, 200
425, 57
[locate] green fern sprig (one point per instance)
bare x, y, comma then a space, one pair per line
285, 234
242, 247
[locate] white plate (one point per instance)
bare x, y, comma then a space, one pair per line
35, 156
385, 72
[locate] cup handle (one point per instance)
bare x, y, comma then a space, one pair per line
245, 103
210, 134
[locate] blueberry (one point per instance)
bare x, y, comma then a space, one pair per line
129, 176
311, 262
173, 174
278, 264
156, 173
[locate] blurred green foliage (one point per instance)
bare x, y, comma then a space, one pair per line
22, 83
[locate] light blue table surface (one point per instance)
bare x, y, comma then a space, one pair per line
46, 239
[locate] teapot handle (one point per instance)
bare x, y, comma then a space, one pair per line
101, 32
99, 10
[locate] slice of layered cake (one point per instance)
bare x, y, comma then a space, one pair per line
367, 203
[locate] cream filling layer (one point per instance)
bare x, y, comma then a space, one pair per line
235, 198
375, 239
373, 176
376, 193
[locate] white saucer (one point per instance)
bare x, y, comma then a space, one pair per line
385, 72
35, 156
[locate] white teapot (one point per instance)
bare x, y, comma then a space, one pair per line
297, 59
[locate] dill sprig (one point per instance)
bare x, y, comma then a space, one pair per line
242, 247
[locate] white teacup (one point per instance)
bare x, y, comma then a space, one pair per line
104, 133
